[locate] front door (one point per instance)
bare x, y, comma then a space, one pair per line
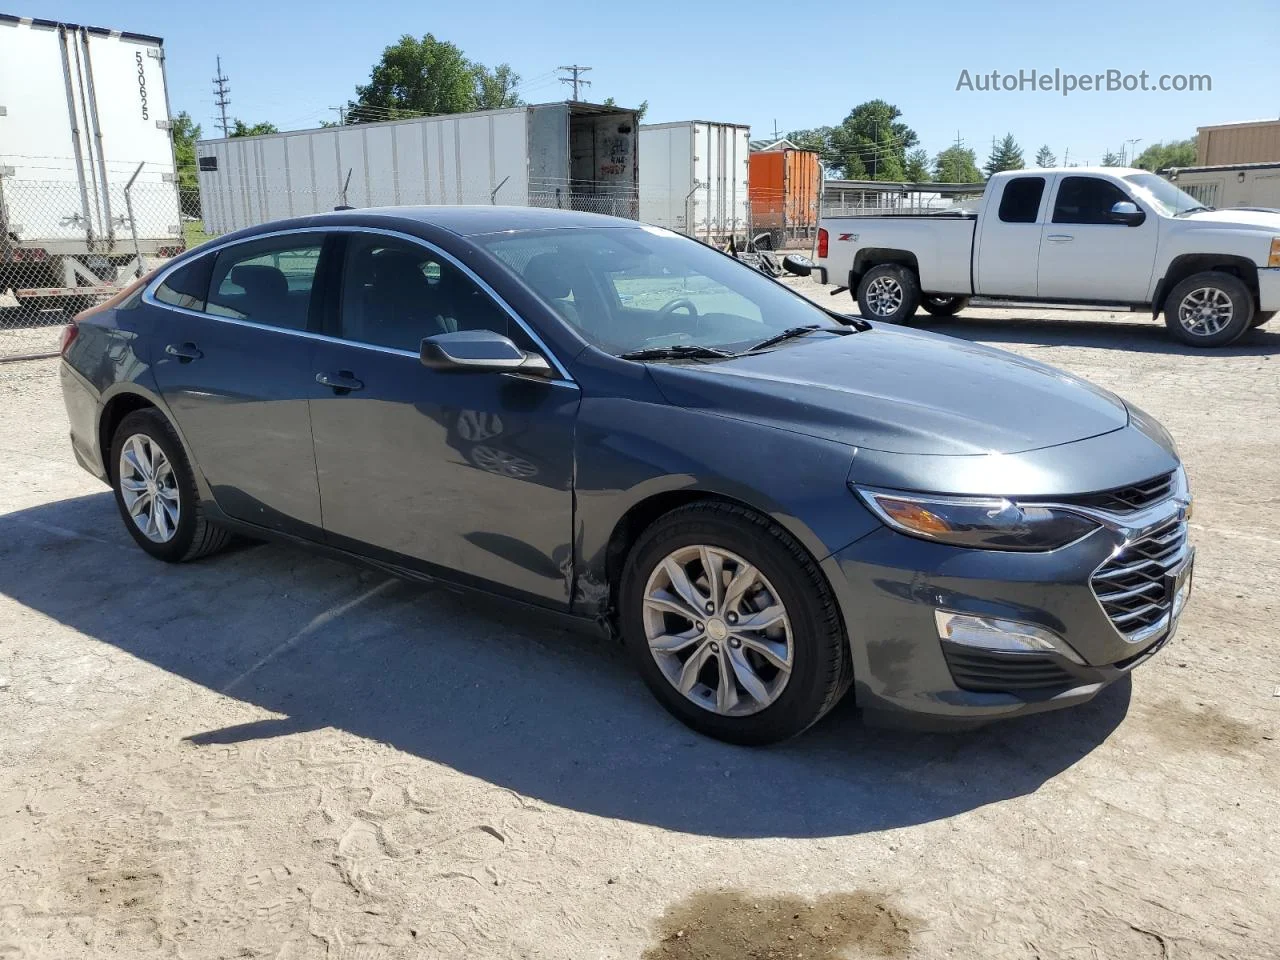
234, 364
466, 472
1086, 255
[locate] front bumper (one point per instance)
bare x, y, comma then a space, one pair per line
891, 585
1268, 288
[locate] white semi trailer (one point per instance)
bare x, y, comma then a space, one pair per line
88, 185
693, 178
574, 155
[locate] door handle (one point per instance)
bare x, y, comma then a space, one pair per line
1059, 238
185, 352
342, 382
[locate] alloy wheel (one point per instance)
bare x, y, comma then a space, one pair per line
149, 488
884, 296
1205, 311
718, 630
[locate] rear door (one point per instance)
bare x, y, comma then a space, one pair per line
1008, 238
1085, 255
233, 352
468, 471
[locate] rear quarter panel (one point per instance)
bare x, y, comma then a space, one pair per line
942, 247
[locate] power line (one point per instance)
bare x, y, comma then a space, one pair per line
576, 80
221, 93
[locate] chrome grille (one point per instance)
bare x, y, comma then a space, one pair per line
1131, 586
1128, 499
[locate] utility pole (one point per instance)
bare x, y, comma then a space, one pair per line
777, 135
221, 97
576, 80
1132, 143
342, 114
875, 141
1066, 155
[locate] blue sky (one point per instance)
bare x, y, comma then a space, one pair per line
747, 62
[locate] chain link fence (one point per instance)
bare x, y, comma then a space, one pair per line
56, 261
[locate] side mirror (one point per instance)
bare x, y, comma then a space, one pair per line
797, 265
480, 350
1127, 213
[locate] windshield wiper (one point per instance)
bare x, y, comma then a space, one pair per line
792, 332
679, 351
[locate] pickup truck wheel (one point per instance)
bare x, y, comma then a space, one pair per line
1261, 317
943, 306
1209, 309
889, 292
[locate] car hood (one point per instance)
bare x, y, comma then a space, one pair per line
1267, 221
900, 391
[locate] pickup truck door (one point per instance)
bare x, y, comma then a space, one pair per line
1007, 242
1085, 255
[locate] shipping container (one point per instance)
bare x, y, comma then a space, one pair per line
1257, 141
1238, 185
574, 155
693, 178
83, 113
784, 184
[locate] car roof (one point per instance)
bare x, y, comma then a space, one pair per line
465, 221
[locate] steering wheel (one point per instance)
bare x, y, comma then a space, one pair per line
679, 302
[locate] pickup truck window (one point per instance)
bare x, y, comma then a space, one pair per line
1086, 200
1021, 200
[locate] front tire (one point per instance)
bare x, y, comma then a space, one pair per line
1210, 309
943, 306
156, 491
732, 625
889, 292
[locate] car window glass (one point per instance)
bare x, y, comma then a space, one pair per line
1021, 200
1086, 200
267, 281
188, 286
395, 293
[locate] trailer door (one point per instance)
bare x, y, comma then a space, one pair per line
41, 137
124, 87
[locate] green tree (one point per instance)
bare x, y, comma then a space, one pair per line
1045, 157
185, 133
956, 165
917, 167
242, 129
1110, 159
496, 88
817, 139
640, 110
871, 143
427, 77
1175, 153
1005, 155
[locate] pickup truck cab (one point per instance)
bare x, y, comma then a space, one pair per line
1079, 235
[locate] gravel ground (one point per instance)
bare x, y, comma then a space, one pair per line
267, 754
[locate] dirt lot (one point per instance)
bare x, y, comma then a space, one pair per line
271, 755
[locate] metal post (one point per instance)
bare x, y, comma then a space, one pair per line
688, 218
133, 224
493, 196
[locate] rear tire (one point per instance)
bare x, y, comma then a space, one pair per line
889, 293
156, 491
943, 306
779, 574
1210, 309
1262, 317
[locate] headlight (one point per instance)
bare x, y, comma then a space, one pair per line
988, 523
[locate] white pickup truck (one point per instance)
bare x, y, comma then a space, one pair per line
1107, 236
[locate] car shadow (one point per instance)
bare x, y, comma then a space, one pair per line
485, 689
1137, 335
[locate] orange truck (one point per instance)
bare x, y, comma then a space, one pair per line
783, 185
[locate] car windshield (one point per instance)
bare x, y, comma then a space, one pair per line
627, 289
1163, 195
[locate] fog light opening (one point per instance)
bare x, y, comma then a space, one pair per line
1001, 636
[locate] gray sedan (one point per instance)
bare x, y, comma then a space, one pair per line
768, 503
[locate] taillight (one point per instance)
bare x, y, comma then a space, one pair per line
69, 334
822, 242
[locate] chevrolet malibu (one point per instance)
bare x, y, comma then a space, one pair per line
768, 503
